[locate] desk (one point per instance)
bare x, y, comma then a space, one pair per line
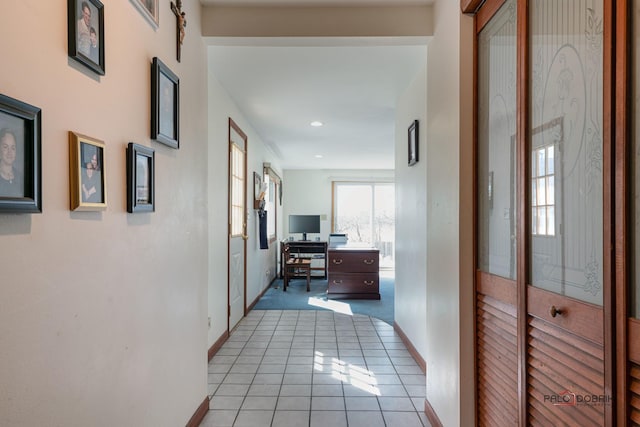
312, 249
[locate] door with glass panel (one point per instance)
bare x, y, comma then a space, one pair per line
542, 211
237, 268
365, 212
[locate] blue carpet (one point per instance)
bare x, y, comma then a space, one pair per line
297, 298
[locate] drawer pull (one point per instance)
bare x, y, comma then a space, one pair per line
337, 261
369, 261
369, 282
337, 282
555, 311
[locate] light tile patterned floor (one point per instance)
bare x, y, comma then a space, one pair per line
290, 368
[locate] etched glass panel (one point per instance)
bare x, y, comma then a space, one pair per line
496, 144
566, 141
635, 169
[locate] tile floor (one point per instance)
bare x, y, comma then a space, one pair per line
290, 368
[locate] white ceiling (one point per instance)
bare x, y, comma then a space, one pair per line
350, 84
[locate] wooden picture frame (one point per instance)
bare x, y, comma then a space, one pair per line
413, 143
85, 34
87, 173
140, 178
165, 105
149, 10
20, 157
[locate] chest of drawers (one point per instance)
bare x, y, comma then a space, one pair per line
353, 273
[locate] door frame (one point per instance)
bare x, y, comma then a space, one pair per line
233, 126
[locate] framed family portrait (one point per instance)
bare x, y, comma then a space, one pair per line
140, 178
413, 143
87, 180
165, 104
148, 9
20, 157
86, 33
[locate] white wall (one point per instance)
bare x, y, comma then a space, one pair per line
411, 218
308, 192
103, 314
449, 308
260, 263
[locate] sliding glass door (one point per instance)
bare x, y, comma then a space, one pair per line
365, 211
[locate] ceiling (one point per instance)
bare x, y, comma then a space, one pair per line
351, 85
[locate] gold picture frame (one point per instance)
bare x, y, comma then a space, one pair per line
87, 173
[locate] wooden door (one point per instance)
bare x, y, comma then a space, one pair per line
543, 288
496, 284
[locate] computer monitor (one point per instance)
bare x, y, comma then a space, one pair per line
304, 224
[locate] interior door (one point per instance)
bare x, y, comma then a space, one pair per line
565, 147
237, 268
496, 278
543, 217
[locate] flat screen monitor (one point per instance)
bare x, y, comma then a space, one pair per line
304, 224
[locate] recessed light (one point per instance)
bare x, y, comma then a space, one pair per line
316, 124
318, 156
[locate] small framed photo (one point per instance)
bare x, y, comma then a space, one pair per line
148, 9
86, 33
165, 104
140, 178
87, 180
413, 143
20, 157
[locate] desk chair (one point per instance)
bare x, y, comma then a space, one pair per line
295, 267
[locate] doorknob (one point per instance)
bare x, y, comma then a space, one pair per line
245, 237
555, 311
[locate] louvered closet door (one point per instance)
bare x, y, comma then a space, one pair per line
496, 321
565, 344
633, 320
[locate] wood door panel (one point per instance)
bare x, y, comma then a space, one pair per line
496, 352
634, 393
579, 317
559, 361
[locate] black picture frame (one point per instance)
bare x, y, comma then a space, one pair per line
20, 157
87, 173
83, 18
140, 178
413, 143
165, 105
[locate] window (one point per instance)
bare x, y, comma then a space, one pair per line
542, 192
237, 191
366, 213
271, 201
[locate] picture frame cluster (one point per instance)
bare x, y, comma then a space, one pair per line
21, 128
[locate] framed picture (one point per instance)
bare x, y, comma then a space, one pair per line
148, 9
87, 180
165, 111
20, 157
86, 33
413, 143
140, 178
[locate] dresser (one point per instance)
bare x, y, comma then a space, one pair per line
353, 273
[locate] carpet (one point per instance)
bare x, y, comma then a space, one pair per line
297, 298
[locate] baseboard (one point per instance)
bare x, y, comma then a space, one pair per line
264, 291
431, 415
200, 413
412, 350
216, 345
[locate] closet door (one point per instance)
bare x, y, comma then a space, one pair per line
565, 346
496, 294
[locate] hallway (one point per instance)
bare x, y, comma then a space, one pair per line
294, 368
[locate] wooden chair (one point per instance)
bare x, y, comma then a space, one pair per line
295, 267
